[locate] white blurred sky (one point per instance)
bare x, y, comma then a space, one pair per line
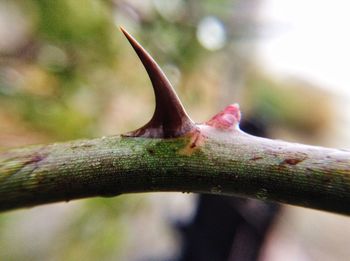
308, 39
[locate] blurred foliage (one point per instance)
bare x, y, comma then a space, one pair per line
68, 39
299, 106
95, 231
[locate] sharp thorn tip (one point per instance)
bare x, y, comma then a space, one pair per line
169, 118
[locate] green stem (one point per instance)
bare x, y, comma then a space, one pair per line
238, 164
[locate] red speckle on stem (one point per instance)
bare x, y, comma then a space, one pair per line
292, 161
256, 158
197, 139
226, 119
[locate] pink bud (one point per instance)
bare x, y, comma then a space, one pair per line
226, 119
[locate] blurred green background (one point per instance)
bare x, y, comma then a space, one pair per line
67, 72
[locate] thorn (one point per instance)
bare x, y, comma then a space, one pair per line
170, 118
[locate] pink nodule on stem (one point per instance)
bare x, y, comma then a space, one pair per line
226, 119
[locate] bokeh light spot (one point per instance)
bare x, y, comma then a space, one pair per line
211, 33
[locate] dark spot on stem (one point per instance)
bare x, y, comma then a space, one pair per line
196, 141
35, 159
292, 161
327, 178
256, 158
151, 151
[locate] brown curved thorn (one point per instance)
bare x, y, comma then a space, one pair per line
170, 118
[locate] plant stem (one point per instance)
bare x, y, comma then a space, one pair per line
238, 164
